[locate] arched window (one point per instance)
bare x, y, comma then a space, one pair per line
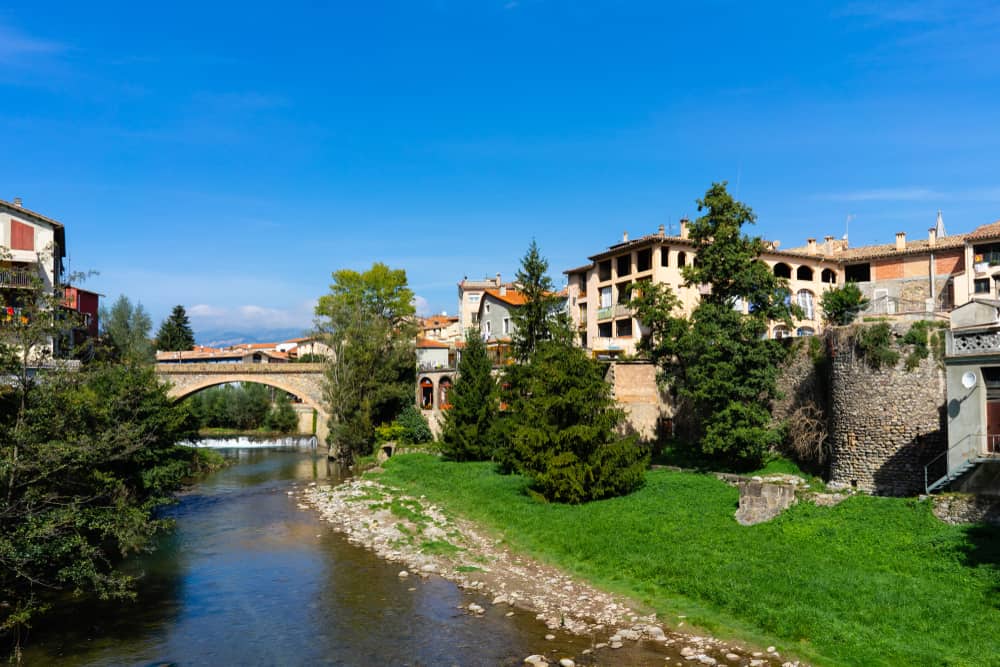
782, 270
805, 331
806, 301
782, 332
444, 388
829, 276
681, 259
426, 394
803, 273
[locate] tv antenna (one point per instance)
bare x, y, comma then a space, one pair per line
847, 224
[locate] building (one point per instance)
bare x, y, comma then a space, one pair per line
599, 292
496, 319
470, 292
32, 249
923, 278
443, 328
255, 353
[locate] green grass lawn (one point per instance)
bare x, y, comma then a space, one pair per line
872, 581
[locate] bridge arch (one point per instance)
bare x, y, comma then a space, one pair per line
304, 381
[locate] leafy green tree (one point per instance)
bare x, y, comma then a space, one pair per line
467, 432
562, 428
416, 430
282, 417
367, 320
719, 360
533, 321
175, 332
125, 331
86, 458
841, 305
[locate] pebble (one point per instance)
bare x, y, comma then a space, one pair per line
476, 609
601, 645
403, 574
536, 659
566, 662
549, 637
616, 644
509, 614
732, 657
706, 660
770, 649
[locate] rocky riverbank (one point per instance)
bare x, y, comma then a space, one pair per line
421, 536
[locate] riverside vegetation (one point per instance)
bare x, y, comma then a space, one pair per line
871, 581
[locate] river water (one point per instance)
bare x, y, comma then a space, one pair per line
248, 578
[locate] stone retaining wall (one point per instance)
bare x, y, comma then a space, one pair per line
960, 509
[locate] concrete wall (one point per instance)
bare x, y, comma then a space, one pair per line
886, 424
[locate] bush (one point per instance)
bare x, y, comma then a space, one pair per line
841, 305
415, 430
875, 345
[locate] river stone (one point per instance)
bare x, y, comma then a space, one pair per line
403, 574
707, 660
630, 635
732, 657
550, 637
476, 609
616, 644
537, 660
566, 662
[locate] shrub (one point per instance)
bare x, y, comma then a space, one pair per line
415, 430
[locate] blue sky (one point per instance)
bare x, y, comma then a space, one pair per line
230, 156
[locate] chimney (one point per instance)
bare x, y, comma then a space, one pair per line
17, 202
811, 245
829, 248
624, 237
900, 241
684, 228
503, 290
498, 279
661, 231
932, 236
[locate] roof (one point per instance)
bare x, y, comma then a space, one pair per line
580, 269
889, 249
991, 230
58, 228
424, 344
439, 321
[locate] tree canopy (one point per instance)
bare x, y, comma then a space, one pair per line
719, 360
841, 305
367, 320
125, 331
175, 334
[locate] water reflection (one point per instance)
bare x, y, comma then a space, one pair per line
248, 578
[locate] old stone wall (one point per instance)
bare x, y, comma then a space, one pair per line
885, 424
636, 391
960, 509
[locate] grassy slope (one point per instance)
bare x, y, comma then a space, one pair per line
873, 581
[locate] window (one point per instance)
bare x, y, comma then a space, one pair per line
604, 330
681, 259
506, 325
624, 265
487, 309
22, 236
665, 256
623, 328
858, 273
803, 273
604, 270
782, 332
782, 270
489, 327
605, 297
583, 313
982, 286
805, 331
805, 299
623, 293
583, 284
644, 260
829, 276
474, 298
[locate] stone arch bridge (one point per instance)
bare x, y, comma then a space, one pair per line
304, 381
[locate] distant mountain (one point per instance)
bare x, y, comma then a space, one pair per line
223, 338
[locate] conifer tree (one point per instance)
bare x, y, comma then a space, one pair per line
468, 425
563, 427
533, 320
175, 332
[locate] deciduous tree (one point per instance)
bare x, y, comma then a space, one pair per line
719, 360
367, 320
125, 331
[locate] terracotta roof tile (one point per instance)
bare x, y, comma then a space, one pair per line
426, 344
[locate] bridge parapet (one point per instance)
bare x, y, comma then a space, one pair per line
230, 369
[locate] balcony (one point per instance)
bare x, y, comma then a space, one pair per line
18, 277
605, 313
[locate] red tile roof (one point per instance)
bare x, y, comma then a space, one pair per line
424, 343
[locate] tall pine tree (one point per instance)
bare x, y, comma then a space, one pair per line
175, 333
533, 321
468, 425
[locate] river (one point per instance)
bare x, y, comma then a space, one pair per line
247, 577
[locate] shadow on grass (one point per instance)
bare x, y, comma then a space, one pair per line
982, 552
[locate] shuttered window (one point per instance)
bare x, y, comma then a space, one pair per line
22, 236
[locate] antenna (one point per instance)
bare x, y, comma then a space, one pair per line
847, 224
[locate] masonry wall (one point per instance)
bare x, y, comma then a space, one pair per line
635, 391
885, 424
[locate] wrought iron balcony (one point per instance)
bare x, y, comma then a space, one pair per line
24, 278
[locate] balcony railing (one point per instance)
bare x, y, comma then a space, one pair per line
605, 313
18, 278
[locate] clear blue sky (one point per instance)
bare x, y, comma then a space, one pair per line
230, 156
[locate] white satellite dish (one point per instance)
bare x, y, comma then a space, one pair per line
969, 380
